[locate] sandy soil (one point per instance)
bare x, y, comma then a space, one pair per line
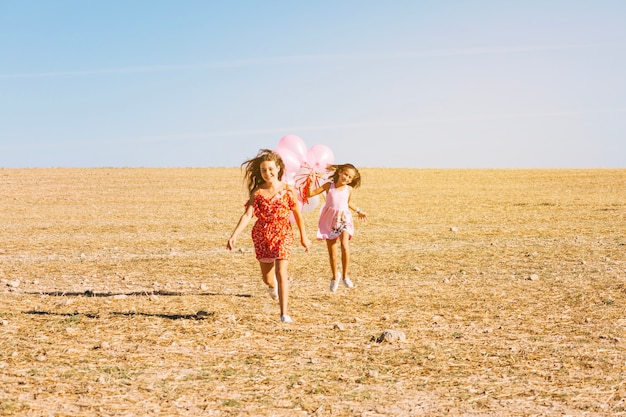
118, 298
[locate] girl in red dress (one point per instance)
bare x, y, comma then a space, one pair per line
272, 202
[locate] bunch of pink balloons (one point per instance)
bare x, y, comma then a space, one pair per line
299, 161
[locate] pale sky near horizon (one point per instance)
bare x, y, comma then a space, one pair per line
414, 84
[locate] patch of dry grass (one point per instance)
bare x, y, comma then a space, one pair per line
509, 286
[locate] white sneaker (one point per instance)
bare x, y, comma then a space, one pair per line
286, 319
348, 282
273, 292
334, 284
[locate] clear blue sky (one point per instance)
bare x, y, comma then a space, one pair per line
417, 84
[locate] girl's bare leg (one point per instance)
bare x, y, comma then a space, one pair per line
331, 244
267, 273
282, 278
345, 253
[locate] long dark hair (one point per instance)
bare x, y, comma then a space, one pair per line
356, 181
252, 168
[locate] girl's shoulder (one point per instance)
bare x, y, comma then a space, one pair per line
290, 189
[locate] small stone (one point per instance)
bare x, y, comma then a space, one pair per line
14, 283
41, 358
454, 229
339, 326
201, 315
204, 287
391, 336
4, 322
533, 277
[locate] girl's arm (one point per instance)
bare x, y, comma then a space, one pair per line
362, 215
297, 214
319, 190
243, 222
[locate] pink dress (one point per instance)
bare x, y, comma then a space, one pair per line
272, 234
335, 216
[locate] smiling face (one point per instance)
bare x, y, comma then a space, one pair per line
269, 171
345, 176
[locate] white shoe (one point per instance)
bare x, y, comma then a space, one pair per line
348, 282
334, 284
286, 319
273, 292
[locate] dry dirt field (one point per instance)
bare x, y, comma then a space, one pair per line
118, 298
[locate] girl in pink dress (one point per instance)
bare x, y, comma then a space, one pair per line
272, 202
335, 224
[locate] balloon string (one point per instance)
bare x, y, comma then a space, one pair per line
303, 182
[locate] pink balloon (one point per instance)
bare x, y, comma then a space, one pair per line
289, 178
295, 145
290, 159
311, 204
302, 171
319, 157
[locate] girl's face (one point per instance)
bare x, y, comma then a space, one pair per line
345, 176
269, 171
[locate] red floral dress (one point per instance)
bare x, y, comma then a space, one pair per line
272, 233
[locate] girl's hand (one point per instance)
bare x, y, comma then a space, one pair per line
230, 245
306, 243
362, 215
